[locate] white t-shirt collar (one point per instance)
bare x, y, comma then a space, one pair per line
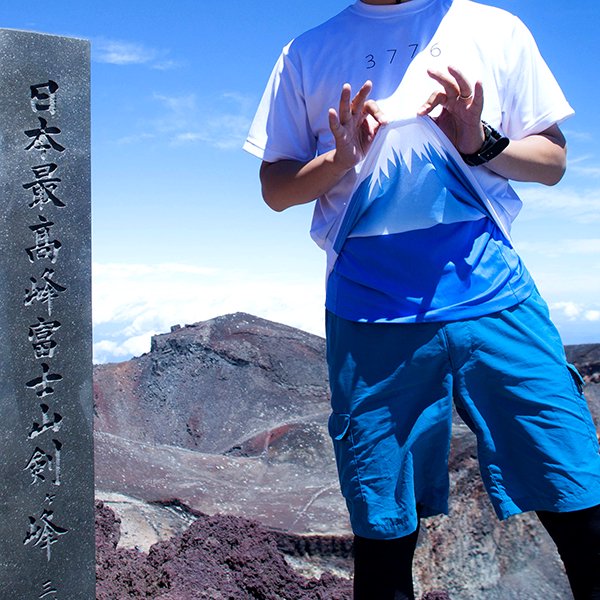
383, 11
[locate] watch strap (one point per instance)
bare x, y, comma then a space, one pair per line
493, 144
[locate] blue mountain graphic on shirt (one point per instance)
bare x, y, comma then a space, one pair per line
412, 185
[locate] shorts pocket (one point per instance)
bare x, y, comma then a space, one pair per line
577, 378
339, 426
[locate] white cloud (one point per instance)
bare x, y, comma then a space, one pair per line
577, 321
571, 310
225, 128
575, 311
111, 351
592, 172
581, 136
132, 302
578, 205
136, 138
587, 246
122, 53
186, 119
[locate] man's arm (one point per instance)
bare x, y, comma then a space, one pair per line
287, 183
541, 158
537, 158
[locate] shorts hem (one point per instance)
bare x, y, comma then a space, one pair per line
523, 505
386, 533
400, 527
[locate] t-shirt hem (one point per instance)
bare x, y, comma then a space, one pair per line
253, 149
543, 123
270, 155
447, 314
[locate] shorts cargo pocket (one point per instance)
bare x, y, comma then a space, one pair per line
339, 426
586, 417
345, 456
577, 378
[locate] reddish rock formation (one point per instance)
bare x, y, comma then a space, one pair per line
229, 416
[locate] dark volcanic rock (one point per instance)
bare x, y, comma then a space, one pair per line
217, 558
229, 416
587, 359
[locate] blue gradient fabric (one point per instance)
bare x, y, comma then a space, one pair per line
392, 391
419, 240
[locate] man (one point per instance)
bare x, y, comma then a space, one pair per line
427, 301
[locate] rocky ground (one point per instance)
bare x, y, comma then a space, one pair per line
216, 478
216, 558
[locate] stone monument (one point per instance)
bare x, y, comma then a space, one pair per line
46, 408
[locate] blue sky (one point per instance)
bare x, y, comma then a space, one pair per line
180, 231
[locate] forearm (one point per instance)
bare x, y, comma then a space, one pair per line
537, 158
287, 183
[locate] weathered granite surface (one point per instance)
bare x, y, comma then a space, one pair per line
46, 412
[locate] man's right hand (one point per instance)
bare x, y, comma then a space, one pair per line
354, 126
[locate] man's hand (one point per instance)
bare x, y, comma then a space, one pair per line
462, 105
354, 126
539, 157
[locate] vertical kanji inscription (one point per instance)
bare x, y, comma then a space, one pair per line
46, 408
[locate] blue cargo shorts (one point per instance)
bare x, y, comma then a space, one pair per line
392, 388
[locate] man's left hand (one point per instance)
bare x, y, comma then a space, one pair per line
462, 106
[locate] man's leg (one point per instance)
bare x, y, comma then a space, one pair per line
537, 442
391, 417
577, 537
383, 568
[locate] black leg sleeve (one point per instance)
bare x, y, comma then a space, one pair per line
383, 568
577, 537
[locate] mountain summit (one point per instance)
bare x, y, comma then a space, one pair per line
230, 416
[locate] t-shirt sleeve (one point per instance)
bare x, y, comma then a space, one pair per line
280, 129
533, 100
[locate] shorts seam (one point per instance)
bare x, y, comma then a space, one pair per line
582, 406
355, 460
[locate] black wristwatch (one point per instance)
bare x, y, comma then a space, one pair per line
493, 144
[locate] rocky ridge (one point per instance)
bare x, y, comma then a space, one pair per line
229, 417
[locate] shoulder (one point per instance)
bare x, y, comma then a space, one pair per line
494, 20
313, 40
495, 31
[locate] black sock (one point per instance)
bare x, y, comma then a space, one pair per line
577, 537
383, 568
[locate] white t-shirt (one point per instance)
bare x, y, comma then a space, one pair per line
393, 46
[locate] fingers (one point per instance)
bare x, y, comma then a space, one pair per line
450, 85
355, 124
334, 121
472, 96
345, 110
464, 87
348, 107
436, 99
478, 96
359, 100
372, 108
456, 95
